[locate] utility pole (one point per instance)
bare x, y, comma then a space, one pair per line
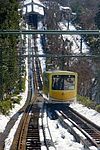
69, 13
32, 78
69, 16
81, 45
20, 53
63, 48
20, 69
1, 82
68, 23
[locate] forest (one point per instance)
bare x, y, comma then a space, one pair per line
11, 73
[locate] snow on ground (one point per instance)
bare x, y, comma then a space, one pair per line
75, 38
91, 114
40, 50
62, 139
42, 59
4, 119
8, 141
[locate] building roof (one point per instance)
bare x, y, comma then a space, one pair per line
33, 6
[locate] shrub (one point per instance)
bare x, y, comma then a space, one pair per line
5, 106
16, 99
98, 108
16, 90
86, 101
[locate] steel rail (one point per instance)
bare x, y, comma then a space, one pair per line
60, 56
32, 138
17, 135
92, 130
54, 32
47, 141
79, 139
37, 68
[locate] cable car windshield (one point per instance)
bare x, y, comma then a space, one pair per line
63, 82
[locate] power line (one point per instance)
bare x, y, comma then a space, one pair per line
54, 32
60, 56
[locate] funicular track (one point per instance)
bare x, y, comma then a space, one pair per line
38, 74
33, 127
20, 138
27, 135
47, 143
32, 139
90, 130
37, 67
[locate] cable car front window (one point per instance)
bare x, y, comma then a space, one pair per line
63, 82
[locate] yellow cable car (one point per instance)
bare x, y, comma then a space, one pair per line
60, 86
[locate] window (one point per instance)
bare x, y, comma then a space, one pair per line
63, 82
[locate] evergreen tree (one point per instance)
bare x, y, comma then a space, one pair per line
9, 19
97, 18
96, 51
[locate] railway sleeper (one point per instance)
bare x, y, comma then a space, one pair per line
92, 134
98, 142
35, 115
33, 139
33, 132
33, 135
96, 135
35, 122
33, 128
96, 139
33, 143
31, 148
34, 119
